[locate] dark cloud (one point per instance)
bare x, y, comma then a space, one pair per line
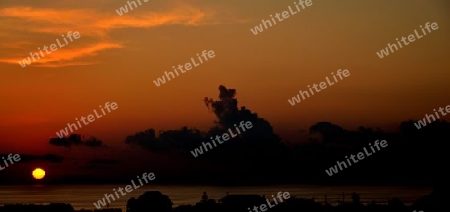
182, 139
103, 162
258, 155
98, 163
228, 114
48, 157
258, 140
76, 140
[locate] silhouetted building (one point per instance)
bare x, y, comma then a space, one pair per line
204, 197
356, 199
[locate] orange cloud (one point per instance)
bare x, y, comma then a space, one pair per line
57, 58
92, 25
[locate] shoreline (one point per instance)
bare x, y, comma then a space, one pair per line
192, 194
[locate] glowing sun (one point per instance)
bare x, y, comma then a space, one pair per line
38, 173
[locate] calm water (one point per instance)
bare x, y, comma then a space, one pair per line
85, 196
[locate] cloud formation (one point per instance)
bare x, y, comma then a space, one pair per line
94, 26
97, 162
76, 140
47, 157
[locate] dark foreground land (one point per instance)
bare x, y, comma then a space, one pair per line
155, 201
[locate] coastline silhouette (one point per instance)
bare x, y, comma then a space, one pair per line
156, 201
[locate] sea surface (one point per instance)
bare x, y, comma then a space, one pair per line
83, 196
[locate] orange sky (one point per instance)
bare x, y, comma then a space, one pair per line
118, 57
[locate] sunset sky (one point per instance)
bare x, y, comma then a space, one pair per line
118, 57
